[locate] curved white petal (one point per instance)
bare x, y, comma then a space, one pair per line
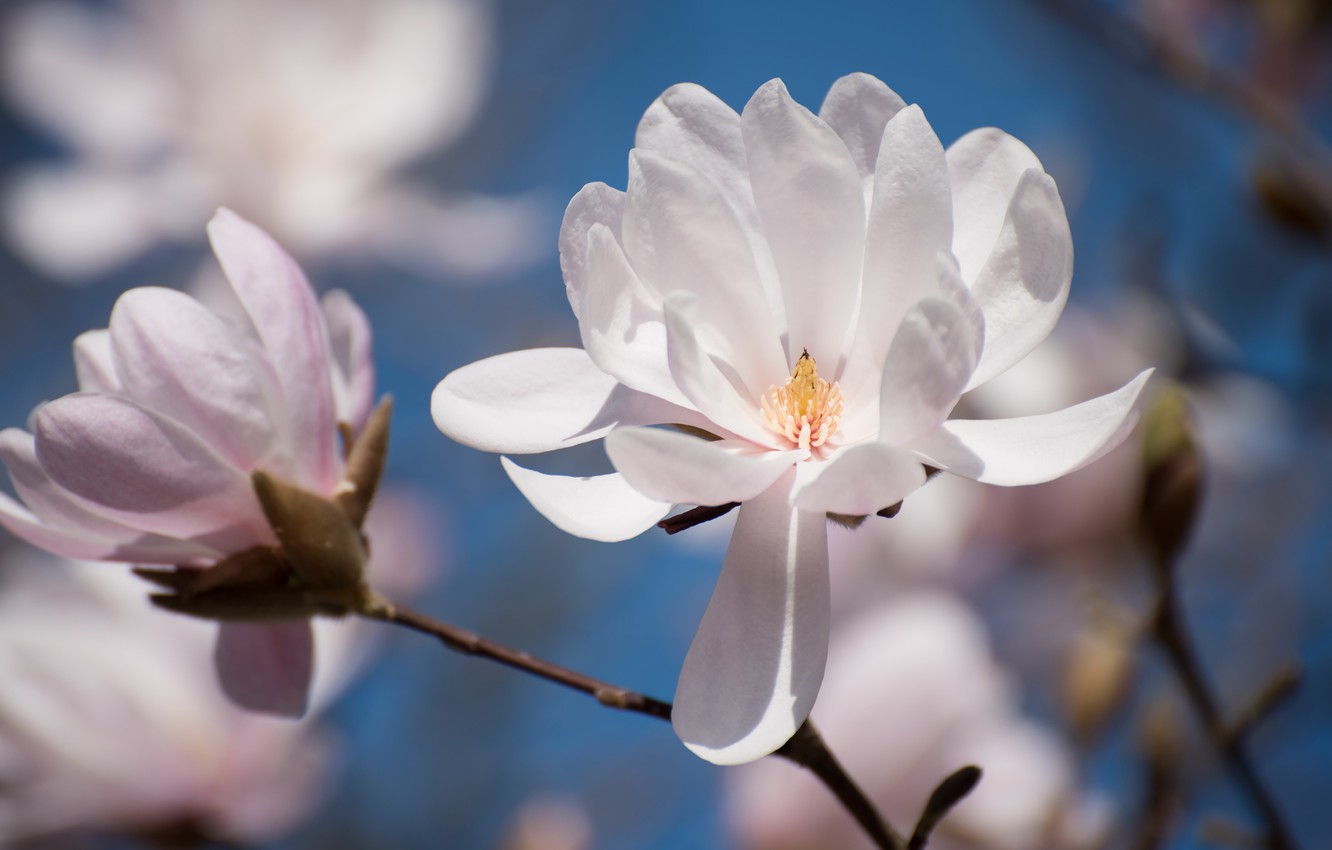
983, 168
675, 467
812, 207
1033, 449
693, 126
755, 666
857, 107
621, 323
595, 203
910, 222
862, 480
280, 303
697, 375
680, 235
539, 400
178, 358
932, 356
597, 507
350, 341
1024, 284
95, 364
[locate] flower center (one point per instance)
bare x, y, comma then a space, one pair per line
807, 410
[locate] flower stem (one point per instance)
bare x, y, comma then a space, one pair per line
806, 748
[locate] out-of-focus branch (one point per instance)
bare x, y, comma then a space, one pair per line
1172, 494
806, 748
1299, 187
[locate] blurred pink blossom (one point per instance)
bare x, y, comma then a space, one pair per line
296, 113
150, 462
913, 693
111, 719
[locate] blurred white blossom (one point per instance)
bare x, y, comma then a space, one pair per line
296, 113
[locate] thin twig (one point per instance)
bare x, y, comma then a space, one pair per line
470, 643
806, 748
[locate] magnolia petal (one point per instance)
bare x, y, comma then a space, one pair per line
58, 522
1034, 449
697, 375
266, 667
66, 542
523, 402
595, 203
622, 325
755, 666
910, 222
539, 400
147, 471
1024, 284
350, 342
932, 356
94, 363
862, 480
808, 194
858, 107
178, 358
680, 235
691, 125
983, 169
597, 507
680, 468
282, 307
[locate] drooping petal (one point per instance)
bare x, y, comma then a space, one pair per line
691, 125
266, 667
94, 363
539, 400
862, 480
910, 222
595, 203
622, 326
597, 507
1033, 449
680, 235
72, 542
180, 359
812, 208
858, 107
983, 168
147, 471
350, 341
680, 468
932, 356
757, 660
282, 307
697, 375
1024, 283
53, 519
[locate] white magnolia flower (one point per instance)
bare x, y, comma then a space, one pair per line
808, 296
296, 113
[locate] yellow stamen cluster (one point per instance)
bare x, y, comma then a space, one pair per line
807, 410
